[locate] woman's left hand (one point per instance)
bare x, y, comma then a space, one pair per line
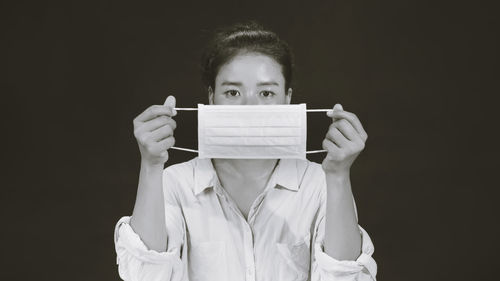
344, 141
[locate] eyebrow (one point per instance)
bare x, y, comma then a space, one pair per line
266, 83
229, 83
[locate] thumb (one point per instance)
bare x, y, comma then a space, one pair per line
337, 106
170, 101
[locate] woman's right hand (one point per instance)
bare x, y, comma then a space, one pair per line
154, 131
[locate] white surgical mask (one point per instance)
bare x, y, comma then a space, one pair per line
252, 131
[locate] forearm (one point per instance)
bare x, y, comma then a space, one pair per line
342, 237
148, 217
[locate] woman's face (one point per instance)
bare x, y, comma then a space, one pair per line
250, 79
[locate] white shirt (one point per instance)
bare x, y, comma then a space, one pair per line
209, 238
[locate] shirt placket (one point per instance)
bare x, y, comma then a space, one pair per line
247, 235
250, 274
248, 242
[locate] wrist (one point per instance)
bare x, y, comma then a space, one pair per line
338, 174
151, 167
338, 180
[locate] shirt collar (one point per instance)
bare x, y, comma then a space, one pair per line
288, 174
204, 175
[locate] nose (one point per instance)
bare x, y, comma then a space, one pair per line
250, 99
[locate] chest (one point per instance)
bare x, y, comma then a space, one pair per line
276, 215
244, 192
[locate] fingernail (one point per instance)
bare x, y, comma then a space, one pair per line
329, 113
338, 106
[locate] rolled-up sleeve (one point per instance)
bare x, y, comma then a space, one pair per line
363, 268
138, 263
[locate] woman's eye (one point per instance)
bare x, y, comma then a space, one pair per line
267, 94
232, 93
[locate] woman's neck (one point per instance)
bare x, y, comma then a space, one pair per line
250, 169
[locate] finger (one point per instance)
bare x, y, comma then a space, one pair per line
166, 144
170, 102
346, 128
352, 118
330, 146
334, 152
158, 148
338, 106
161, 133
156, 123
337, 137
153, 112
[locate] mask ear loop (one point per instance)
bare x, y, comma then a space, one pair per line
195, 109
317, 110
184, 149
196, 151
316, 151
186, 108
181, 148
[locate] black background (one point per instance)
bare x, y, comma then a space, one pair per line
417, 73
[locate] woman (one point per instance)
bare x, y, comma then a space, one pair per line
242, 219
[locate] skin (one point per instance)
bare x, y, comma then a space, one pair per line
249, 79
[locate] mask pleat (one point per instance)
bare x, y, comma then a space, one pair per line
254, 132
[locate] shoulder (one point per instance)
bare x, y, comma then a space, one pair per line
183, 169
312, 167
309, 171
312, 178
179, 176
189, 178
302, 173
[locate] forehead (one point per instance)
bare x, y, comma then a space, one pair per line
251, 67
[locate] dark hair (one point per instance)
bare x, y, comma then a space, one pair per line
241, 38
